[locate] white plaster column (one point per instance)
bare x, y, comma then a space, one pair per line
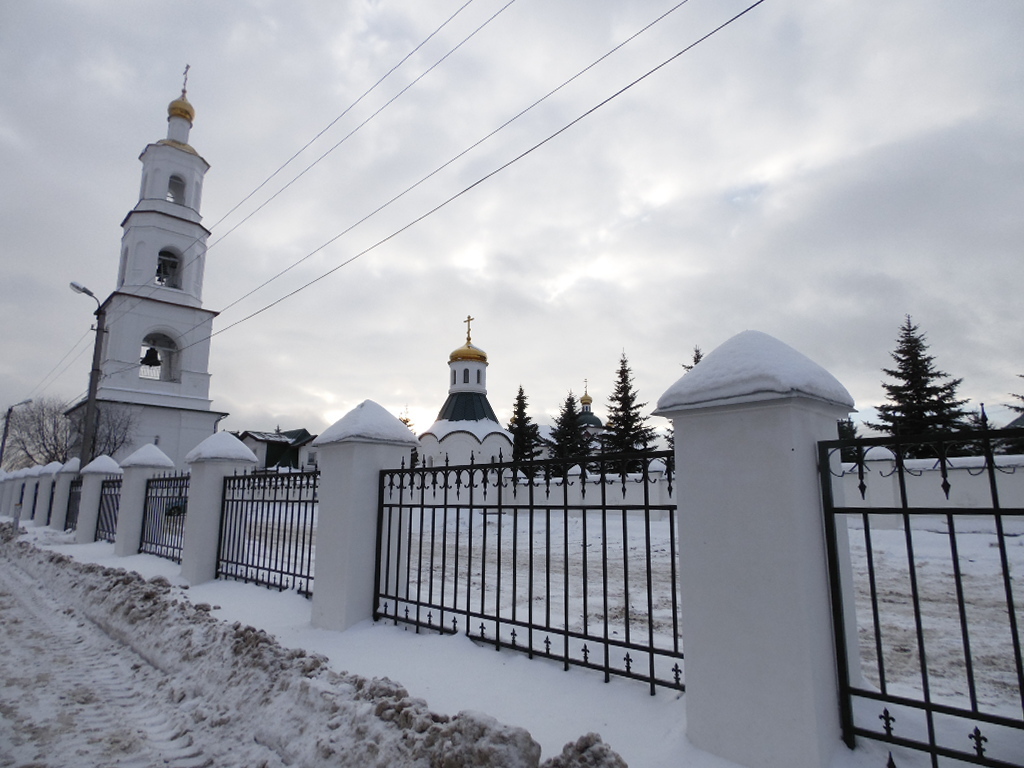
5, 483
28, 499
93, 475
61, 491
351, 454
218, 456
46, 480
138, 468
755, 608
10, 499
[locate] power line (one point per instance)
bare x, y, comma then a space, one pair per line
40, 386
484, 178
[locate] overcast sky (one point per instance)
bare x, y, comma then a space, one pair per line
816, 171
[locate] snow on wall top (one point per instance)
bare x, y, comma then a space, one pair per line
53, 467
72, 465
478, 429
148, 456
368, 422
752, 366
221, 446
101, 465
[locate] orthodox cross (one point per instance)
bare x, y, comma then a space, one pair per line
184, 85
585, 386
467, 321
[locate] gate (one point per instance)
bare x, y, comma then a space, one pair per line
567, 559
110, 503
163, 516
925, 540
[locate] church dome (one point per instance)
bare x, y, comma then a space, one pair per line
468, 352
181, 107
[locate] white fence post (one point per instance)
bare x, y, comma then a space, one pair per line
93, 475
28, 497
754, 595
218, 456
47, 478
138, 468
352, 453
61, 492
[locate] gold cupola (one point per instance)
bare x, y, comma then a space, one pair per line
467, 351
181, 107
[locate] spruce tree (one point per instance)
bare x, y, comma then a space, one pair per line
526, 440
919, 400
1013, 406
626, 429
567, 435
697, 357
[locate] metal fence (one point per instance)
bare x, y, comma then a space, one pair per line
573, 560
163, 516
935, 590
268, 529
74, 501
110, 503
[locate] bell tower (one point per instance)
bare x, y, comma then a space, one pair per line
156, 353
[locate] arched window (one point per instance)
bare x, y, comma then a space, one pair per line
479, 373
453, 375
159, 358
465, 375
176, 190
168, 269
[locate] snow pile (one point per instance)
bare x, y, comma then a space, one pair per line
221, 446
368, 421
239, 681
752, 366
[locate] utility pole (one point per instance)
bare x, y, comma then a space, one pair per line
89, 428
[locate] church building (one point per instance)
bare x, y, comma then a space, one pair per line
156, 350
466, 425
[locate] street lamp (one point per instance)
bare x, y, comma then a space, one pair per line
7, 425
89, 429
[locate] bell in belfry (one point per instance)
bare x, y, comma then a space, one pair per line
151, 358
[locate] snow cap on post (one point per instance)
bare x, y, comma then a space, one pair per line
52, 468
368, 422
750, 367
148, 456
72, 465
101, 465
221, 446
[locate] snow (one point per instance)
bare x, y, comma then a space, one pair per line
368, 421
748, 367
477, 428
221, 446
71, 465
101, 465
148, 456
245, 670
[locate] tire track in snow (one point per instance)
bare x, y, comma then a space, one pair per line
73, 696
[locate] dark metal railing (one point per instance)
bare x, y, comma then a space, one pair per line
268, 529
49, 508
74, 502
932, 575
573, 560
110, 503
163, 516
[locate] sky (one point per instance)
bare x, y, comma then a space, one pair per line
815, 171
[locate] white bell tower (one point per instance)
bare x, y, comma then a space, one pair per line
157, 347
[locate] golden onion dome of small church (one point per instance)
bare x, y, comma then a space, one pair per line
467, 351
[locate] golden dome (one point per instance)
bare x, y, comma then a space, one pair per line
586, 399
468, 352
180, 107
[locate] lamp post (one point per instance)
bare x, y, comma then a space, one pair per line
7, 426
89, 429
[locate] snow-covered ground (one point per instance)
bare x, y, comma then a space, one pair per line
106, 668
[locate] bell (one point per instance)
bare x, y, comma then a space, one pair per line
152, 358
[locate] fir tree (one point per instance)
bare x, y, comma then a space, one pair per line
847, 430
626, 429
919, 400
1013, 406
697, 357
526, 439
567, 435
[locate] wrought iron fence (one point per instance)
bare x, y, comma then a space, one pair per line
163, 516
110, 503
933, 580
74, 502
49, 507
268, 529
573, 560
